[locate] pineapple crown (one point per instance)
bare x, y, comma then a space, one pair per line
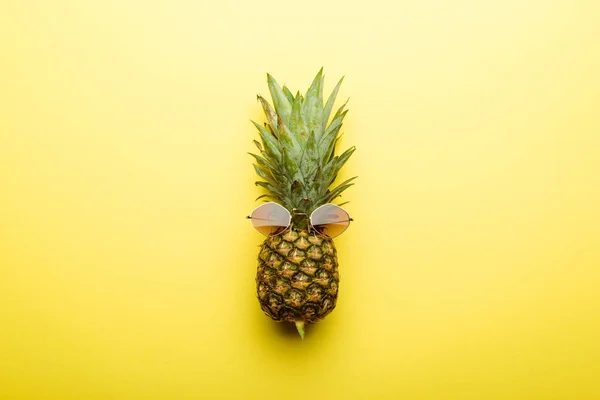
297, 160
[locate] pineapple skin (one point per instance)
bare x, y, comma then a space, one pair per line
297, 278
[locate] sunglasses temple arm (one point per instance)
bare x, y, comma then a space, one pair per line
259, 219
346, 220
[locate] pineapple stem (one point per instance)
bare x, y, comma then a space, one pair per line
300, 328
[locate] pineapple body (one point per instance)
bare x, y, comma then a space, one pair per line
297, 277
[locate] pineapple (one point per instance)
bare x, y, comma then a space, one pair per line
297, 276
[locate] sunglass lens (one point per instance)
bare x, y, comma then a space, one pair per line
330, 220
270, 219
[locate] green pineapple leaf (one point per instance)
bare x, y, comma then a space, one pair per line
341, 109
330, 102
280, 100
290, 164
269, 167
296, 122
270, 113
288, 94
337, 191
267, 176
330, 135
313, 106
269, 141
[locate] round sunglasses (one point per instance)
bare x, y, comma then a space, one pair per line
272, 219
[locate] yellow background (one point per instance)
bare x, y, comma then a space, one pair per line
126, 264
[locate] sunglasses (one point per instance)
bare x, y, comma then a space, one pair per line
272, 219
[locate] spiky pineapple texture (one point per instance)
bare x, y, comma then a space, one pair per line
297, 160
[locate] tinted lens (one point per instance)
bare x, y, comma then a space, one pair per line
270, 219
330, 220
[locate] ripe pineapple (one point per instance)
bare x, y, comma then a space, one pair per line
297, 277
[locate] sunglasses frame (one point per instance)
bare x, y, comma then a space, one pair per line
310, 223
